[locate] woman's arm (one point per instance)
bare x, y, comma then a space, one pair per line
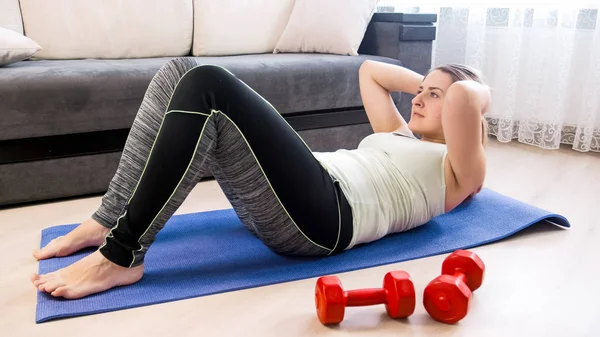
377, 80
464, 105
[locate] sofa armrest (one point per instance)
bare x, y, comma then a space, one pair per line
407, 37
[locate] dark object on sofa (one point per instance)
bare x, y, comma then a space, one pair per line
63, 123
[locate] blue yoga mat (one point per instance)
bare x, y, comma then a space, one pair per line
211, 252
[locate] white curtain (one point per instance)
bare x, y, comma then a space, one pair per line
541, 61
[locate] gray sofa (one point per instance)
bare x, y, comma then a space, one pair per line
63, 123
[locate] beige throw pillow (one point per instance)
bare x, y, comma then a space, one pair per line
15, 47
326, 26
109, 29
232, 27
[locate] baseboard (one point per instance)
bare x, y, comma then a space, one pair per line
63, 146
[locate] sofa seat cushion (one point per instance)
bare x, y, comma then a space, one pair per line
55, 97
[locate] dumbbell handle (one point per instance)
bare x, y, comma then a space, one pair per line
460, 275
363, 297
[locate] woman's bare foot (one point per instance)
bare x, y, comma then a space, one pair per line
90, 275
88, 234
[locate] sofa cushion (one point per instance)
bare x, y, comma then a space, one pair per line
10, 15
233, 27
53, 97
74, 29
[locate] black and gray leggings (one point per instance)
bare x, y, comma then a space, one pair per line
200, 119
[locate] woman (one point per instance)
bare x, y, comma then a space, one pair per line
198, 120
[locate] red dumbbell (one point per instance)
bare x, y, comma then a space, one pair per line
447, 297
398, 295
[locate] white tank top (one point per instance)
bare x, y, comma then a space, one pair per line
393, 183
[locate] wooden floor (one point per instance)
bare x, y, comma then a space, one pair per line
541, 282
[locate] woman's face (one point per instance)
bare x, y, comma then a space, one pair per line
426, 114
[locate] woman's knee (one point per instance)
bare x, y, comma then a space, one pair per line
170, 74
203, 88
208, 76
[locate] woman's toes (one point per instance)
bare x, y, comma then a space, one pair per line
69, 292
50, 250
39, 282
59, 292
52, 285
89, 233
42, 279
